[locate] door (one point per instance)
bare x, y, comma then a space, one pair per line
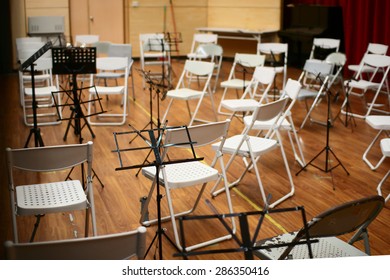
98, 17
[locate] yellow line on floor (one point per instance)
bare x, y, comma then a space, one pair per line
258, 208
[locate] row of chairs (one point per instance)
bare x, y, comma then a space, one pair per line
112, 66
54, 197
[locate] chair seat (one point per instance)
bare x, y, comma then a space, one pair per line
184, 94
239, 104
385, 147
258, 145
108, 90
327, 247
379, 122
50, 198
41, 91
361, 84
183, 174
235, 83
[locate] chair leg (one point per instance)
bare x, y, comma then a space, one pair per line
379, 188
365, 155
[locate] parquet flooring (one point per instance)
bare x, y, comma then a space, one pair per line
118, 202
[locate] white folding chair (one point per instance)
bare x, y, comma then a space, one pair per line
116, 246
385, 147
53, 197
201, 39
184, 92
285, 122
381, 63
382, 124
277, 56
117, 102
189, 174
243, 64
321, 48
119, 50
45, 89
252, 147
212, 53
262, 78
323, 231
372, 48
317, 88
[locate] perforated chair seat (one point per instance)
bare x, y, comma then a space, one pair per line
235, 83
184, 175
327, 247
50, 198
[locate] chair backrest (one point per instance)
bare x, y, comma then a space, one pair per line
117, 246
86, 40
201, 68
49, 158
202, 38
269, 111
316, 68
199, 135
153, 42
378, 62
375, 48
338, 60
249, 60
322, 47
246, 60
101, 47
211, 50
342, 219
292, 89
120, 50
262, 76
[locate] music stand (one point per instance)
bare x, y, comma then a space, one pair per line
154, 144
159, 89
327, 149
30, 63
246, 244
73, 61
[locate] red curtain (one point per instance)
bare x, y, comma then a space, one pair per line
365, 21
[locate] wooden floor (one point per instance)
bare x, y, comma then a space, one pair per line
118, 202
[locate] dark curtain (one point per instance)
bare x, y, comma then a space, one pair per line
365, 21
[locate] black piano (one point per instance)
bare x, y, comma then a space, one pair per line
303, 23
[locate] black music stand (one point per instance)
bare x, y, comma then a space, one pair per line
327, 149
160, 89
73, 61
30, 63
246, 244
155, 144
